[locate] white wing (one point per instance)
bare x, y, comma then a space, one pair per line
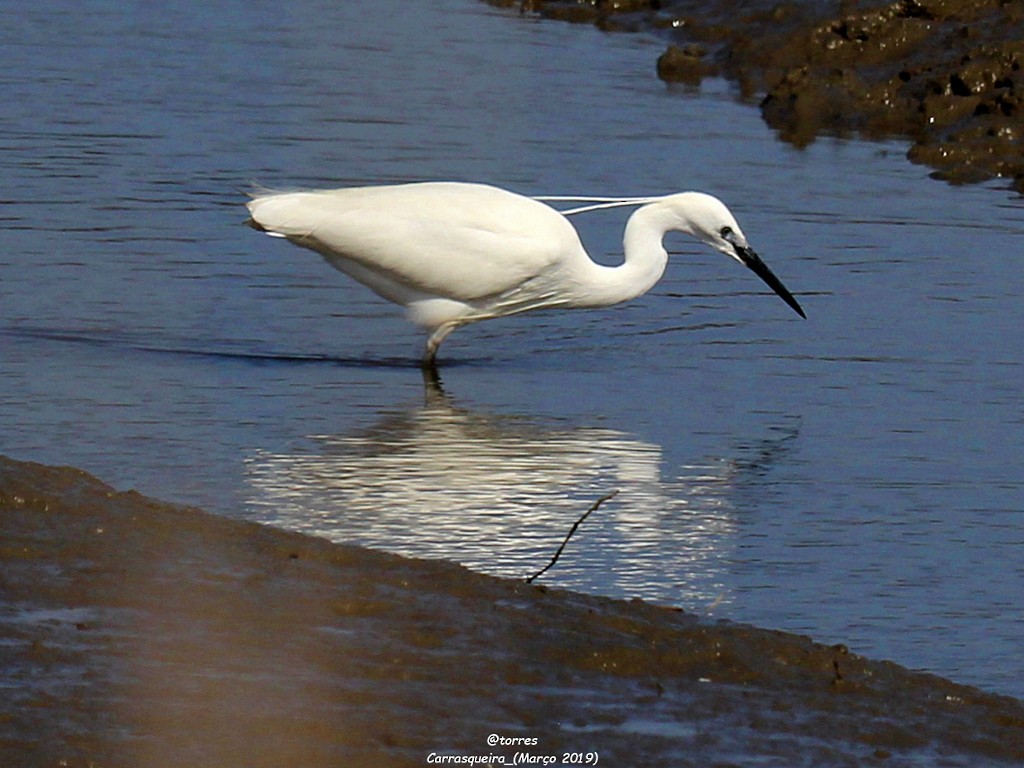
454, 240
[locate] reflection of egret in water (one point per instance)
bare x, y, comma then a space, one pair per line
499, 493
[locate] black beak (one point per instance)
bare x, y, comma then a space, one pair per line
752, 260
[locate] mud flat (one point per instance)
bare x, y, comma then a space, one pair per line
139, 633
943, 74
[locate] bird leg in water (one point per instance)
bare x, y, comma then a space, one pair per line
433, 342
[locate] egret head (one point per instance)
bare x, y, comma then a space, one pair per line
706, 218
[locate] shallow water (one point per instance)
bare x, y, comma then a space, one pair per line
855, 476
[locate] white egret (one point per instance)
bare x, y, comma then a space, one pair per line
454, 253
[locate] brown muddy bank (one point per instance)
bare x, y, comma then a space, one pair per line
943, 74
138, 633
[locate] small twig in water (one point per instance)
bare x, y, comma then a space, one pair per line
572, 530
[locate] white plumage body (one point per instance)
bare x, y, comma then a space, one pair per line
453, 253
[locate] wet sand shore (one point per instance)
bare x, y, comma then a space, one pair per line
139, 633
944, 75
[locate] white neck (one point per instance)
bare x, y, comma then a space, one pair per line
644, 262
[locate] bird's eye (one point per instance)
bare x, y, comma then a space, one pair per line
726, 233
